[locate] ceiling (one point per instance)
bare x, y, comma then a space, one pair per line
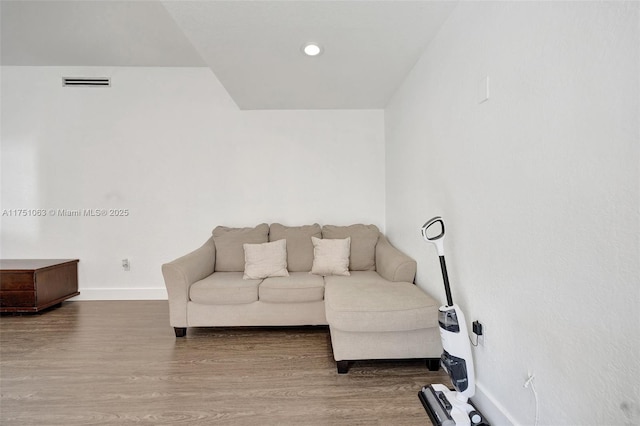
253, 47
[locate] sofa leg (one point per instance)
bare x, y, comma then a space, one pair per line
433, 364
180, 331
343, 367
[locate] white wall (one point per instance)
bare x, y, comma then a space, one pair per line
539, 188
169, 145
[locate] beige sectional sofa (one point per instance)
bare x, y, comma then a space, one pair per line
251, 277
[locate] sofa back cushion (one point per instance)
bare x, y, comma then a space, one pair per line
363, 244
229, 249
299, 246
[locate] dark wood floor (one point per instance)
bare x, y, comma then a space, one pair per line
114, 362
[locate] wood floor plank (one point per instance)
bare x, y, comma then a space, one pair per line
118, 362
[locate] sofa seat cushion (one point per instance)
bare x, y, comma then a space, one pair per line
297, 287
224, 288
369, 277
362, 306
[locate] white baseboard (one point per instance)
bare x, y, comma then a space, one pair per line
121, 294
491, 408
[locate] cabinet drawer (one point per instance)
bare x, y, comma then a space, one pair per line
12, 281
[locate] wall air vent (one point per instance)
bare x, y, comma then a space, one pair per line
86, 82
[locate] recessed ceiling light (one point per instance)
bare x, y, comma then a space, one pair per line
312, 49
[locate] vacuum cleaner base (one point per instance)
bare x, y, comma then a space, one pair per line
444, 410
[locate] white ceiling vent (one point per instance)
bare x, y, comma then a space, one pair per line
86, 82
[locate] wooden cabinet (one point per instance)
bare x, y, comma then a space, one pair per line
31, 285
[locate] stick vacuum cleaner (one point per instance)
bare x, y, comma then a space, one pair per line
451, 407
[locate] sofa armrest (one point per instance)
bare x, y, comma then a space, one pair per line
392, 264
181, 273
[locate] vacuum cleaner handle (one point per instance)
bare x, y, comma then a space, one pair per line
438, 240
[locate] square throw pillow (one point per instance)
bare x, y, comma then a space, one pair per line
265, 260
330, 257
229, 241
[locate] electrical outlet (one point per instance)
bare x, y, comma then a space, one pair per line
477, 328
126, 266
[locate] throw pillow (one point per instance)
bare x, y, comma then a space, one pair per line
265, 260
229, 241
330, 257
